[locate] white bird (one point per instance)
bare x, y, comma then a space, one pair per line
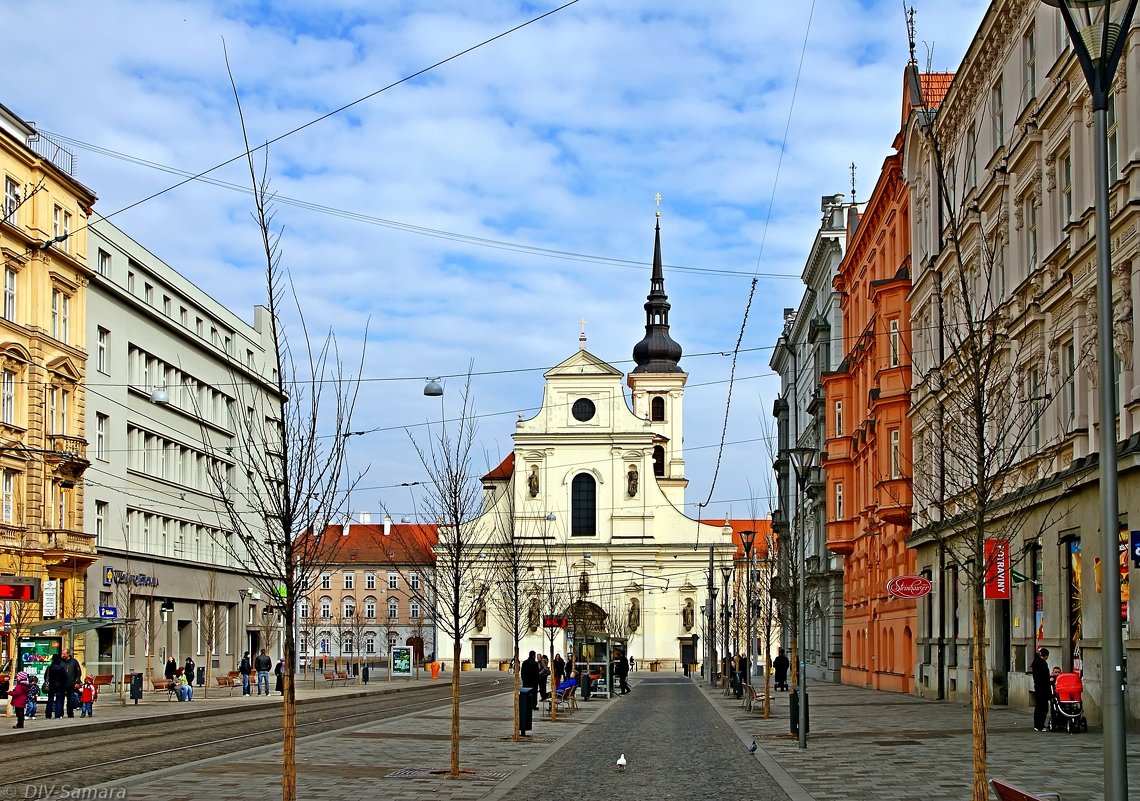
752, 748
621, 763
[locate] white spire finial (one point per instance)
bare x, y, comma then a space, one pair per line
582, 336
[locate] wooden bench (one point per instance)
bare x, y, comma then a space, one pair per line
164, 685
228, 682
103, 680
333, 678
1009, 792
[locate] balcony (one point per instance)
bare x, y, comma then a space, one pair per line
11, 536
64, 546
894, 501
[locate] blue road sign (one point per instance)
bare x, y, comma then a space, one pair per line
108, 611
1134, 537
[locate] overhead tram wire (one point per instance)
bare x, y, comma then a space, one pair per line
759, 257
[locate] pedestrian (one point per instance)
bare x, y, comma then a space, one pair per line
190, 666
621, 670
74, 674
559, 668
87, 695
279, 672
33, 695
182, 685
1041, 688
543, 676
528, 674
780, 664
55, 679
262, 663
742, 676
245, 668
171, 668
18, 698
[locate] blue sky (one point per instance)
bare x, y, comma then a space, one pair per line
555, 137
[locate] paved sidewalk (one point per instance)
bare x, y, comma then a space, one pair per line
864, 744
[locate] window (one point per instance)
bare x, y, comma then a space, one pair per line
1069, 388
249, 359
8, 398
1029, 55
347, 644
131, 281
583, 410
414, 610
103, 263
896, 454
1031, 234
60, 314
9, 294
658, 461
393, 578
100, 436
369, 581
584, 506
326, 581
997, 112
393, 609
370, 644
1036, 405
61, 228
971, 157
838, 501
166, 305
392, 638
1065, 185
326, 608
8, 496
11, 199
839, 418
183, 316
657, 409
370, 608
349, 580
893, 328
52, 409
349, 607
148, 294
303, 611
100, 520
101, 350
1113, 140
414, 581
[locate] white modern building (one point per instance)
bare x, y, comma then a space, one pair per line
172, 375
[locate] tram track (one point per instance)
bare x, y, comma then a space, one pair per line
96, 756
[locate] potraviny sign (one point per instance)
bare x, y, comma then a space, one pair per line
909, 587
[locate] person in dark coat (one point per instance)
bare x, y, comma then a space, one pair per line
621, 670
279, 672
559, 668
55, 681
780, 664
1039, 667
171, 668
74, 674
528, 675
189, 666
245, 669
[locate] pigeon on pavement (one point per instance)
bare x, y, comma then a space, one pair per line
621, 763
752, 748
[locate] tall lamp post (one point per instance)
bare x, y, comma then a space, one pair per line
1098, 29
726, 572
802, 461
746, 539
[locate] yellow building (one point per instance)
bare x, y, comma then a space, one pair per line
43, 243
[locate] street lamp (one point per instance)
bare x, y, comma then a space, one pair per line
802, 461
1098, 29
747, 538
726, 572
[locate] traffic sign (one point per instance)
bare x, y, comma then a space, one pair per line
108, 611
19, 588
1135, 542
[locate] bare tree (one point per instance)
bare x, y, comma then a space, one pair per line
214, 619
307, 627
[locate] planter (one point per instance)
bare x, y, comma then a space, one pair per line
654, 667
467, 665
504, 665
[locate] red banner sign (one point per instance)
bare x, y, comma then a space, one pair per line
910, 587
554, 622
997, 571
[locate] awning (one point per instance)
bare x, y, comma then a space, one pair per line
78, 625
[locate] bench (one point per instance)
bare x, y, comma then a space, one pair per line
228, 682
103, 680
1009, 792
164, 685
333, 678
565, 701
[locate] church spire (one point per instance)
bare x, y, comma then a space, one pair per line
657, 352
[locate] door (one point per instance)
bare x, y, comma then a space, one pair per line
480, 649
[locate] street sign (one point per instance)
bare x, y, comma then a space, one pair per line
19, 588
108, 611
1135, 543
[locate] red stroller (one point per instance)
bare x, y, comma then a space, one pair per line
1068, 713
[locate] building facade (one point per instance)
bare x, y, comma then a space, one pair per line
810, 347
1008, 253
43, 405
173, 375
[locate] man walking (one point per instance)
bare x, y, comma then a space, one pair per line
528, 674
1039, 667
621, 670
73, 673
780, 664
245, 668
263, 664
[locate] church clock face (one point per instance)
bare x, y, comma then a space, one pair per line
583, 409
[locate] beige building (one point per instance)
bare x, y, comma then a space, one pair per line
43, 453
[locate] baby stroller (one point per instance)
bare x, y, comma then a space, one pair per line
1068, 713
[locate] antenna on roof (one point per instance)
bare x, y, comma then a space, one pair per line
852, 182
909, 14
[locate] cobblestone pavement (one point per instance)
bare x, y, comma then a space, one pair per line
864, 744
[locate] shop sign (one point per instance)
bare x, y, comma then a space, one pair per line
909, 587
997, 571
113, 576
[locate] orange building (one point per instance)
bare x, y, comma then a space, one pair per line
868, 440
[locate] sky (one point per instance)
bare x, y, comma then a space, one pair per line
470, 217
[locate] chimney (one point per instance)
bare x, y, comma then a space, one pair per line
365, 518
387, 525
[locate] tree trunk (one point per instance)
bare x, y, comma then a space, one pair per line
289, 724
456, 654
979, 698
516, 671
767, 679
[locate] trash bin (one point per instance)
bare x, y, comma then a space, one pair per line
526, 709
136, 687
794, 712
364, 674
355, 669
435, 670
202, 676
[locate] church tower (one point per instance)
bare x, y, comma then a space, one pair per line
657, 384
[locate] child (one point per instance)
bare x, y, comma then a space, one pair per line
18, 698
87, 696
33, 696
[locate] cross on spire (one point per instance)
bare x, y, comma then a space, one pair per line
657, 197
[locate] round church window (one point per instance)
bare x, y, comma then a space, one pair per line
583, 409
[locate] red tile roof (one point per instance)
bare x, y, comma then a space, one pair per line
505, 470
366, 544
763, 529
934, 87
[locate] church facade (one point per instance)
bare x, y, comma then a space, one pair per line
583, 523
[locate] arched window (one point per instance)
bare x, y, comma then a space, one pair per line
658, 461
657, 409
414, 609
349, 607
369, 643
393, 609
584, 506
370, 608
326, 608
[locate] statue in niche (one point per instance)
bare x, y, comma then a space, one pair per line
533, 615
584, 584
532, 481
687, 613
633, 619
481, 616
632, 480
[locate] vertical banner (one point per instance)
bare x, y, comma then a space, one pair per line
50, 598
997, 571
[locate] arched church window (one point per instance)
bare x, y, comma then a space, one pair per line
658, 461
657, 409
584, 506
